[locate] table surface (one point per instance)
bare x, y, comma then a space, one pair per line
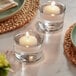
54, 63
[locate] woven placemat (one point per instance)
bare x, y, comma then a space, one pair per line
20, 18
68, 46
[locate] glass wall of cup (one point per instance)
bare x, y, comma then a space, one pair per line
28, 46
51, 17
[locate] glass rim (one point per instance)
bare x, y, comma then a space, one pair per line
31, 47
57, 3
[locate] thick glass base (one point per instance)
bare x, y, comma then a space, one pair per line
29, 58
41, 27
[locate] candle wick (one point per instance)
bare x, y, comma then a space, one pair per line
53, 3
27, 35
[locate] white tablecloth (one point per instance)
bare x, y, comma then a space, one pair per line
54, 62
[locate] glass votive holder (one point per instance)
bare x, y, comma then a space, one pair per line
28, 46
51, 17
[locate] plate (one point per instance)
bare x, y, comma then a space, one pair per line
73, 35
69, 50
25, 14
8, 13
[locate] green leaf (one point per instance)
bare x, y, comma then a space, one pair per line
3, 72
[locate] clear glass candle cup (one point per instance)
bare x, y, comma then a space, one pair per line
51, 21
28, 46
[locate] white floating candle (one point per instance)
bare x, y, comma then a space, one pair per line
28, 40
51, 9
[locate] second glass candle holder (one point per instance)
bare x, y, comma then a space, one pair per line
28, 46
52, 16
